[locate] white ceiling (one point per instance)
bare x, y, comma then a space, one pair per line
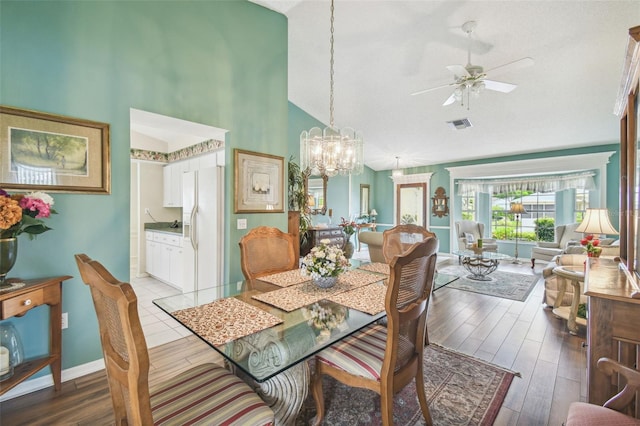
387, 49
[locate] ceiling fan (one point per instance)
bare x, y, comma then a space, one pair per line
472, 79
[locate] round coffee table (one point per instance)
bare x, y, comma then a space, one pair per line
480, 263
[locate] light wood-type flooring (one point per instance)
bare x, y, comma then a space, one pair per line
521, 336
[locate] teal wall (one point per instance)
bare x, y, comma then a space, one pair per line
221, 63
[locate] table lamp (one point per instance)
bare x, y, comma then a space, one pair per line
373, 215
596, 222
517, 209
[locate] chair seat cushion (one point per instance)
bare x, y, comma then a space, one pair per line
583, 414
208, 395
362, 353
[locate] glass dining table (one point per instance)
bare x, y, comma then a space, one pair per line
266, 332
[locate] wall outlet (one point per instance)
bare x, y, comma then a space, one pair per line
65, 320
242, 223
147, 211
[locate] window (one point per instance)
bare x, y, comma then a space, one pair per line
537, 205
469, 205
581, 204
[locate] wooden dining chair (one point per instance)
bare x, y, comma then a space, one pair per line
265, 250
400, 238
386, 359
205, 394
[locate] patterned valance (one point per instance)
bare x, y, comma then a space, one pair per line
538, 183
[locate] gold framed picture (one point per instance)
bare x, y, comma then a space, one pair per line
259, 182
54, 153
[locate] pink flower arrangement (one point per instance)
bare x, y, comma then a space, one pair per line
23, 213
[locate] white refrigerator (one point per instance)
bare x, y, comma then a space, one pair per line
202, 227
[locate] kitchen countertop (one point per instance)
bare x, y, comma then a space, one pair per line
163, 227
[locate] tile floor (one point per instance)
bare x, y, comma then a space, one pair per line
159, 328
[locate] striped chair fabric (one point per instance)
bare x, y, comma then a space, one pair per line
362, 353
207, 395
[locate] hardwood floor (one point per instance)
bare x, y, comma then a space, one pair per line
520, 336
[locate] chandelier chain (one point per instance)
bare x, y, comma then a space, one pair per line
331, 72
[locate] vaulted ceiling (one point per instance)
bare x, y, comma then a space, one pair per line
387, 49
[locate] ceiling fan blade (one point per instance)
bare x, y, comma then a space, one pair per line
520, 63
451, 99
420, 92
458, 70
499, 86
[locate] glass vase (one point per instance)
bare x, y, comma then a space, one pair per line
11, 351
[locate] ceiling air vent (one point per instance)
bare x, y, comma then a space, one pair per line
460, 124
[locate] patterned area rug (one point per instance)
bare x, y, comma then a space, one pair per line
503, 284
461, 390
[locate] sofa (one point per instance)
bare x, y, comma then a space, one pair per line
373, 240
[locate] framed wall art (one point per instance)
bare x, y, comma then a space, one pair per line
259, 182
53, 153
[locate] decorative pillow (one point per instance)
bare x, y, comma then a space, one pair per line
469, 237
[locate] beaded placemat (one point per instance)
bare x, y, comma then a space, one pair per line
225, 320
294, 297
287, 278
368, 299
291, 298
378, 267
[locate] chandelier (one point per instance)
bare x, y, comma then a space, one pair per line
331, 151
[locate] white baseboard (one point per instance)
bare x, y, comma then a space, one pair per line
47, 381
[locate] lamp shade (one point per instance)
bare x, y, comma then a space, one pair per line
517, 208
373, 212
596, 221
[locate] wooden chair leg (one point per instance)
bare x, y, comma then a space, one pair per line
386, 407
316, 390
422, 398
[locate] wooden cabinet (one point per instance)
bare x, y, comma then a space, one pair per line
164, 257
333, 234
612, 329
37, 292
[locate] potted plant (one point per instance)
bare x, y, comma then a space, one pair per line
298, 199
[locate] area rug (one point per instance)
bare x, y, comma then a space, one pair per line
507, 285
461, 390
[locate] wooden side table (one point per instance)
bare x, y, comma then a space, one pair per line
575, 275
16, 303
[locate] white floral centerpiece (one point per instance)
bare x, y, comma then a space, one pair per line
324, 263
325, 316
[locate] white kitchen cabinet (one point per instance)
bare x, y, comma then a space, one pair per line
164, 257
172, 174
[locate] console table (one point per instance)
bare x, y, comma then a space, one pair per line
16, 303
612, 330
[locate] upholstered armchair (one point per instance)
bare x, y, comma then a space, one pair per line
373, 240
565, 237
468, 232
